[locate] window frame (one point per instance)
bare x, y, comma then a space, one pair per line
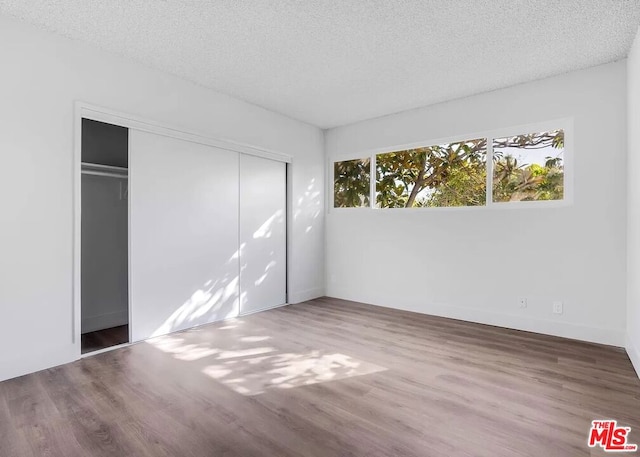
565, 124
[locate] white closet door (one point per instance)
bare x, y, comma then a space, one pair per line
184, 234
263, 251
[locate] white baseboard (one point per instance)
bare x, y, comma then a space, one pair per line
611, 337
304, 295
21, 365
93, 323
633, 350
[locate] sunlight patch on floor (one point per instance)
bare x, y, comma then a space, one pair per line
252, 376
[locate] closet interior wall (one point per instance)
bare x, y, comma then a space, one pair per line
104, 235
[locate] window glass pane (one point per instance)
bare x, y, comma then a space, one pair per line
452, 174
351, 181
529, 167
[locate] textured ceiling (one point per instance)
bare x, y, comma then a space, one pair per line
331, 63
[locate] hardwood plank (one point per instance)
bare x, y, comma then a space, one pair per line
12, 440
326, 378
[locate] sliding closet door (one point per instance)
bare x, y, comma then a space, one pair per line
263, 252
184, 234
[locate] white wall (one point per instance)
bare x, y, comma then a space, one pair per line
633, 205
42, 75
474, 264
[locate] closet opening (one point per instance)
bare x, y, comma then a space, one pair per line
104, 236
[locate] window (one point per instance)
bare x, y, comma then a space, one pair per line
452, 174
504, 169
351, 183
529, 167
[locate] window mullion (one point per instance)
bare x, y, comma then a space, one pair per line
372, 182
489, 197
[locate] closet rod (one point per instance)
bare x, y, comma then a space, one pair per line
97, 166
105, 173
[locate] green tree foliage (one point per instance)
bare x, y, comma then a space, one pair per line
444, 175
527, 182
454, 174
351, 183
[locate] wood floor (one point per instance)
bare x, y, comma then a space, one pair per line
326, 378
101, 339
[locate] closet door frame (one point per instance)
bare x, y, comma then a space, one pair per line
84, 110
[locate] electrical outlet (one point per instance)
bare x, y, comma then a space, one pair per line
557, 307
522, 302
